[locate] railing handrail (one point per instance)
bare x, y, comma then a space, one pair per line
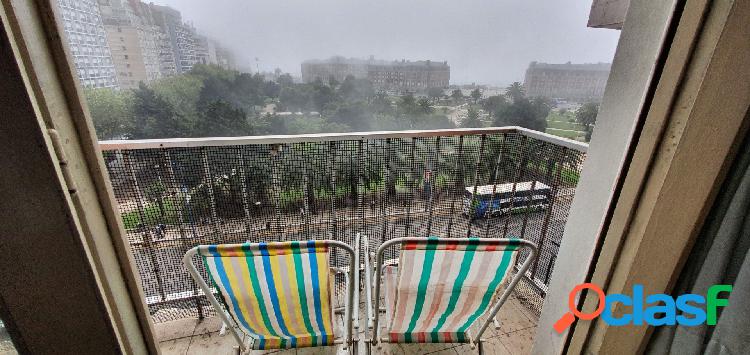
110, 145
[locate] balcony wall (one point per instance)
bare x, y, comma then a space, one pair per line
174, 194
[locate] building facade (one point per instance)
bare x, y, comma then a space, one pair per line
131, 43
121, 43
179, 36
385, 75
225, 58
205, 50
149, 36
574, 82
87, 39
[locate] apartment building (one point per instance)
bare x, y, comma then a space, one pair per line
205, 50
178, 35
225, 58
336, 68
387, 75
575, 82
120, 43
150, 37
128, 43
87, 39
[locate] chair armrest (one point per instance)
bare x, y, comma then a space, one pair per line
368, 282
357, 263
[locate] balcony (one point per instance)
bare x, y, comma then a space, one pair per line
174, 194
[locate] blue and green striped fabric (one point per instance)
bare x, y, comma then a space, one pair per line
278, 293
442, 288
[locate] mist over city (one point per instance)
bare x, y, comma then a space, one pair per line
485, 42
237, 68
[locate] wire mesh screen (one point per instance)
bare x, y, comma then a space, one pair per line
504, 184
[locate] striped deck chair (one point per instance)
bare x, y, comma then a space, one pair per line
441, 286
279, 294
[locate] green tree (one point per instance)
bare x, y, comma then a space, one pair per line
154, 117
493, 103
515, 91
213, 101
407, 105
586, 116
542, 107
354, 115
523, 112
271, 89
457, 95
353, 89
205, 71
435, 94
476, 94
381, 104
471, 120
274, 124
295, 98
247, 91
424, 106
111, 111
221, 119
285, 80
332, 82
182, 93
322, 96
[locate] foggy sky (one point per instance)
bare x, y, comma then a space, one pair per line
484, 41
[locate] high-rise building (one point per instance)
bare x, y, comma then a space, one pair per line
205, 50
87, 40
132, 42
181, 37
225, 58
575, 82
121, 43
388, 75
149, 35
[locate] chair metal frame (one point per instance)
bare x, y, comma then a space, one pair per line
476, 341
348, 340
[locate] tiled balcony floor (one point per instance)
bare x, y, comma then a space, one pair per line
515, 336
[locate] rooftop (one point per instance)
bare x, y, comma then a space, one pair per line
373, 61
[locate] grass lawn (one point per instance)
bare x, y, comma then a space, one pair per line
564, 125
567, 134
563, 117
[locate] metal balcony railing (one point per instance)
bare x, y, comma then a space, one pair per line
174, 194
